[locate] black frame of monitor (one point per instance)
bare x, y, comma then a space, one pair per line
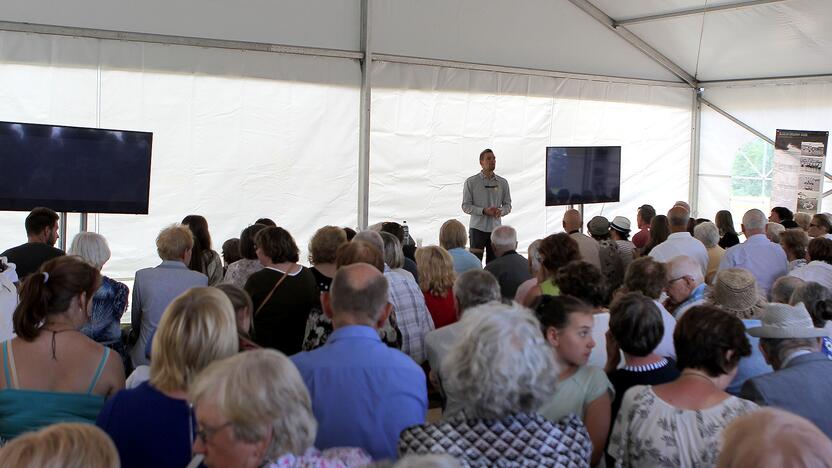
546, 174
68, 206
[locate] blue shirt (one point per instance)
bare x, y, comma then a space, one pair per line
464, 260
750, 366
762, 257
148, 427
364, 394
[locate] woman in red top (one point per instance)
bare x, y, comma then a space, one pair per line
436, 280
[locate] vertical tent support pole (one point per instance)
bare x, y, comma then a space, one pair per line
62, 232
364, 120
84, 221
695, 141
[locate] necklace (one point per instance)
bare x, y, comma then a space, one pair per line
55, 332
698, 375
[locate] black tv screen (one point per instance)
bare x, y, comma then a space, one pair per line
582, 174
74, 169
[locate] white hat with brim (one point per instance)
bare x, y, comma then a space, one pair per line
782, 321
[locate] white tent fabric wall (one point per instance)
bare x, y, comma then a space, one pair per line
429, 125
764, 107
237, 135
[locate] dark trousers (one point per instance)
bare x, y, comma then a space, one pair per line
479, 240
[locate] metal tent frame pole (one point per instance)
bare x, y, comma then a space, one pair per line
364, 120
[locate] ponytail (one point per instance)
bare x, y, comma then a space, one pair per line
50, 292
34, 302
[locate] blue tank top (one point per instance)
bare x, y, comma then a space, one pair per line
28, 410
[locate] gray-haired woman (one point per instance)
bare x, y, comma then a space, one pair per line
253, 410
708, 234
502, 371
110, 300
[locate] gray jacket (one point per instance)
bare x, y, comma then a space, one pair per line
153, 290
802, 387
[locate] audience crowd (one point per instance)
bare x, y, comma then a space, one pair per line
688, 343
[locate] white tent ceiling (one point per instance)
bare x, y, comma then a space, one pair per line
761, 39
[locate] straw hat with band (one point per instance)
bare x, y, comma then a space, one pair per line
782, 321
735, 291
620, 224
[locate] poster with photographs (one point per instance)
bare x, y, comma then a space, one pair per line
799, 161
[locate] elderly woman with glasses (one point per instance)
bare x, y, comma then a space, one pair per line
502, 371
253, 410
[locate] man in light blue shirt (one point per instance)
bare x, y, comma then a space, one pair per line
763, 258
363, 392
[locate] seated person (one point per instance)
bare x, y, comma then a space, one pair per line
685, 286
363, 392
243, 309
584, 281
436, 283
802, 373
283, 293
52, 372
472, 288
151, 424
253, 410
66, 445
42, 234
238, 272
155, 288
649, 277
509, 267
319, 326
582, 390
782, 289
453, 237
636, 327
709, 345
502, 371
110, 300
773, 438
735, 291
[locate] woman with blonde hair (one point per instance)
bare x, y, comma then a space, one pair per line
253, 410
151, 424
65, 445
51, 371
436, 280
773, 438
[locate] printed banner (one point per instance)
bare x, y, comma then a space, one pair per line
798, 172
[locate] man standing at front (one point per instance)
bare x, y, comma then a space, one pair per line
486, 198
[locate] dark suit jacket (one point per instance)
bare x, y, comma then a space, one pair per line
802, 387
511, 270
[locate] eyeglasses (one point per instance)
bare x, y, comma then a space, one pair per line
676, 279
205, 432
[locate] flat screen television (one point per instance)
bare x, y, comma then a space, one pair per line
582, 174
74, 169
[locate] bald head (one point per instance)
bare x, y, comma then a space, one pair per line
572, 220
358, 294
678, 218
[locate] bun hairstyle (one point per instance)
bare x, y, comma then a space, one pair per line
50, 292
